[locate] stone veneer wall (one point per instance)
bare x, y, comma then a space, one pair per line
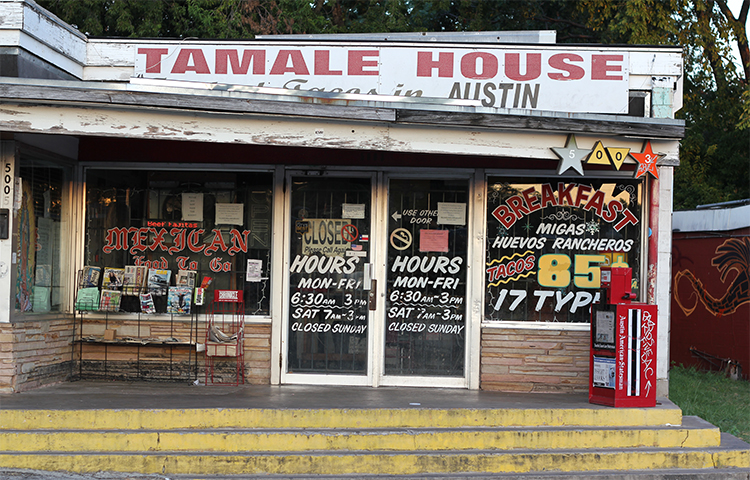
534, 360
34, 353
164, 362
258, 354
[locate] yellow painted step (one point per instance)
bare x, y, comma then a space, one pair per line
169, 419
695, 436
382, 463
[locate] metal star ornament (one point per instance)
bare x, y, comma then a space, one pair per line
646, 161
570, 156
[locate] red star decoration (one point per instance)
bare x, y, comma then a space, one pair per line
646, 161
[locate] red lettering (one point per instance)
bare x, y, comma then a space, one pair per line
357, 62
516, 204
531, 200
323, 63
596, 202
548, 196
513, 267
600, 67
504, 216
564, 193
530, 261
239, 242
629, 218
298, 67
444, 64
492, 271
521, 265
469, 65
216, 244
182, 64
140, 237
193, 238
513, 66
182, 262
582, 194
501, 272
153, 58
215, 264
158, 239
258, 58
178, 236
574, 72
613, 208
117, 239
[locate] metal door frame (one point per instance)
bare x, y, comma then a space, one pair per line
319, 378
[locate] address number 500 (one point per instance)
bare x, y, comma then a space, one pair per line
7, 179
554, 270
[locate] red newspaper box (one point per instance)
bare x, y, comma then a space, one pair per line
622, 365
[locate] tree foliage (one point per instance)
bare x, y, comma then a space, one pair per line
714, 154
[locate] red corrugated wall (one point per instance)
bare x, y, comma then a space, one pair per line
719, 324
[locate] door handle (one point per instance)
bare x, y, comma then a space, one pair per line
372, 295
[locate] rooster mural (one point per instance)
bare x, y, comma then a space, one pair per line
733, 254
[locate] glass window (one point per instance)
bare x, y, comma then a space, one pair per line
163, 239
546, 242
40, 221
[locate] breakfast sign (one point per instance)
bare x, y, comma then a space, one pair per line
547, 240
552, 78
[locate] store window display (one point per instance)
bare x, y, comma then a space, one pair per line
162, 241
41, 212
547, 240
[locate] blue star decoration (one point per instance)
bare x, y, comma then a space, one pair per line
570, 156
647, 161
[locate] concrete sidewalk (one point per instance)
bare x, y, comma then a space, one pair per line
126, 395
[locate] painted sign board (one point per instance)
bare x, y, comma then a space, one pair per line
560, 78
547, 241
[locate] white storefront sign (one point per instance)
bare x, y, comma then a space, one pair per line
564, 79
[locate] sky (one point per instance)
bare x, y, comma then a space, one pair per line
734, 6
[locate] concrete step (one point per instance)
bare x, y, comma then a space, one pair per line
693, 433
285, 418
732, 453
322, 432
670, 474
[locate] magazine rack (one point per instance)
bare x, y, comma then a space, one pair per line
225, 337
103, 355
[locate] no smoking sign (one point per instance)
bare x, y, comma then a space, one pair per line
349, 233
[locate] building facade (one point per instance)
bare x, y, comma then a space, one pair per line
394, 212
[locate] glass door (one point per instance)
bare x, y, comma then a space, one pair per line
327, 327
426, 274
377, 280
